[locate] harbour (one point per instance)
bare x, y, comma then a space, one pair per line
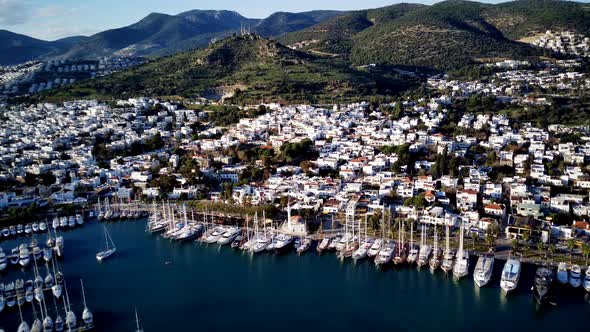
186, 285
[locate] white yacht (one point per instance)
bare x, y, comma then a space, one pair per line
304, 245
362, 250
436, 259
375, 248
110, 247
510, 275
283, 242
215, 234
385, 254
42, 226
24, 256
55, 223
425, 249
483, 270
562, 273
586, 282
343, 242
79, 219
229, 235
35, 227
323, 245
260, 243
575, 276
3, 260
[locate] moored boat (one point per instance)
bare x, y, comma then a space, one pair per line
510, 275
542, 284
483, 270
575, 276
562, 273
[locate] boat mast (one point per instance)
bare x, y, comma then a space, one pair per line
461, 241
447, 249
83, 294
411, 235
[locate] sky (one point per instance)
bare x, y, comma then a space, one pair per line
54, 19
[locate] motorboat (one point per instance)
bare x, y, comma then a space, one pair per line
586, 282
35, 227
42, 226
362, 250
214, 235
510, 275
24, 256
562, 273
542, 284
304, 245
483, 270
375, 248
283, 242
229, 235
575, 276
79, 219
3, 260
385, 255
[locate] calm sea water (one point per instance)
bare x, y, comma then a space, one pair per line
208, 288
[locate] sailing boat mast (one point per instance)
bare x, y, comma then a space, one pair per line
447, 249
461, 241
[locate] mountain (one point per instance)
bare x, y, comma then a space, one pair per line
246, 68
16, 48
445, 35
156, 35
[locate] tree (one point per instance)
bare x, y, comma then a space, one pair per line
586, 252
514, 244
571, 244
540, 248
551, 248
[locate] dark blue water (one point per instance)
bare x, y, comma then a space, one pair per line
208, 288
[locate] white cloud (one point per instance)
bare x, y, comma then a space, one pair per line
14, 12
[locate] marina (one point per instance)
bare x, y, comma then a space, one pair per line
192, 279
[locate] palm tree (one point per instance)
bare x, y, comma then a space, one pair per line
540, 248
473, 236
514, 246
586, 252
551, 248
571, 244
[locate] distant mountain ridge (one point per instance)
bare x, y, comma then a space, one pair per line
156, 34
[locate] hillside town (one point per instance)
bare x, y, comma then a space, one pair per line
487, 172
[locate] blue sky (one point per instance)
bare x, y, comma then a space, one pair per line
53, 19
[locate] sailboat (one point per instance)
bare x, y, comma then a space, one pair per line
137, 329
110, 247
402, 252
436, 258
483, 270
87, 316
425, 249
461, 267
413, 253
448, 256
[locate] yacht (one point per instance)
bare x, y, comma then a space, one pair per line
401, 254
47, 254
42, 226
59, 246
5, 232
229, 235
59, 323
55, 223
20, 229
343, 242
260, 243
14, 253
47, 324
79, 219
12, 230
35, 227
385, 255
2, 301
461, 267
283, 242
362, 250
413, 253
3, 260
29, 294
24, 256
586, 282
375, 248
10, 294
334, 242
28, 229
562, 273
63, 222
575, 276
37, 253
542, 283
483, 270
190, 232
72, 221
214, 235
510, 275
110, 247
323, 245
304, 245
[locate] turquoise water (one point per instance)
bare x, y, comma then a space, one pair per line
208, 288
